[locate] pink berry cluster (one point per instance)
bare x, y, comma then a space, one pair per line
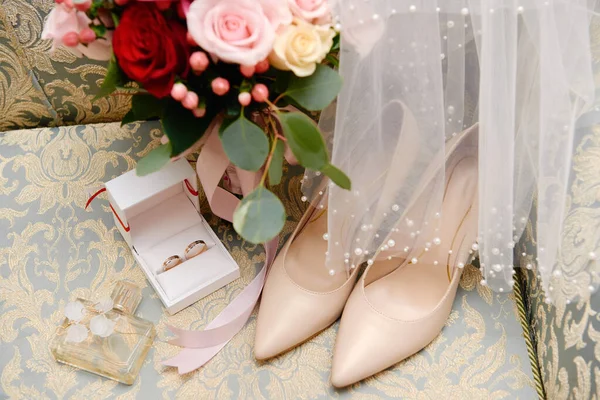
86, 35
199, 62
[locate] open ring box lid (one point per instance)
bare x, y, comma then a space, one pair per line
159, 216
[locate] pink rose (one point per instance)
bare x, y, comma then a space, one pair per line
62, 20
277, 12
99, 49
313, 11
237, 31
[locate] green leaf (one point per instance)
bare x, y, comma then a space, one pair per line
336, 43
305, 140
115, 19
128, 118
332, 60
233, 110
337, 176
154, 160
260, 216
146, 106
225, 124
99, 30
245, 144
282, 80
182, 127
315, 92
307, 144
276, 166
113, 78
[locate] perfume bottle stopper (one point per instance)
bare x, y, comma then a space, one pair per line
126, 297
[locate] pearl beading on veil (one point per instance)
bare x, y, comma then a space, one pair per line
478, 47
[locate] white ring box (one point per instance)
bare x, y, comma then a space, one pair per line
159, 216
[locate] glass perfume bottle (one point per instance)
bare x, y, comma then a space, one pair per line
105, 338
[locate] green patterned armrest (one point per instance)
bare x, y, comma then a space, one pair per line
23, 104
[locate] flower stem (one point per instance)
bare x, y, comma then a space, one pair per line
281, 96
272, 105
271, 152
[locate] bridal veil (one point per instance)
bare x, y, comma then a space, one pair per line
419, 72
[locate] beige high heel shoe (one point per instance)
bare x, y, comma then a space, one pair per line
391, 318
300, 298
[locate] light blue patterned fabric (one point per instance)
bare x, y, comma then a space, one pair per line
52, 250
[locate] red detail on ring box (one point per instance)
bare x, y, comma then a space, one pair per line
94, 196
127, 228
163, 212
189, 187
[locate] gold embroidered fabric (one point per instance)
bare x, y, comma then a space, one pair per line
567, 334
58, 87
52, 250
22, 102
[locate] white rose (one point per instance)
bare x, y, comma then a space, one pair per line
299, 47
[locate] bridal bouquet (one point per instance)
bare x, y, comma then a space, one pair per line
249, 70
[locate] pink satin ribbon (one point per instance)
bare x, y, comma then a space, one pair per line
199, 347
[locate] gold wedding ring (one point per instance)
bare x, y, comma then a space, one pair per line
195, 248
171, 262
192, 250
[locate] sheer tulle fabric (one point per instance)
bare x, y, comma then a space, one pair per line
417, 73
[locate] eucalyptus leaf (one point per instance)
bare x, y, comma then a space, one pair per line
337, 176
276, 166
245, 144
155, 160
317, 91
305, 140
260, 216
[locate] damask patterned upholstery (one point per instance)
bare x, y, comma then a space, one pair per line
55, 251
43, 89
567, 334
22, 102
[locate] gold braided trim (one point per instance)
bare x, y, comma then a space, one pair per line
528, 334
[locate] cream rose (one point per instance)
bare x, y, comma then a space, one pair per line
299, 47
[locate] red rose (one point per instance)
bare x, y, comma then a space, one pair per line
150, 49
